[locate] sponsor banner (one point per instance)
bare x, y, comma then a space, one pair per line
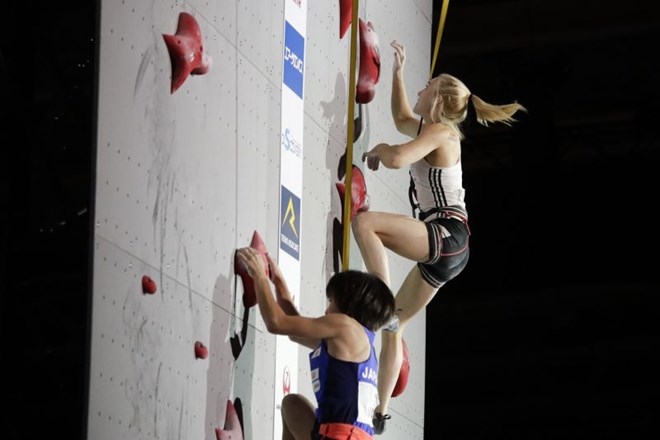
291, 144
294, 59
291, 180
291, 141
289, 223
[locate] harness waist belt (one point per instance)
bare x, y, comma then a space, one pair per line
445, 212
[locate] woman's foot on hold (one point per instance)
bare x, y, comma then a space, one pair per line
379, 422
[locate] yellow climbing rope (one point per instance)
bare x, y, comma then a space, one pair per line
346, 244
438, 36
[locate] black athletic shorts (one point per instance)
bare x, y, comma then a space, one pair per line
449, 250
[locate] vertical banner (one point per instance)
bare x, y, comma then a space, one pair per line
291, 169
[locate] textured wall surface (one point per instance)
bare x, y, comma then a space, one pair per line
184, 178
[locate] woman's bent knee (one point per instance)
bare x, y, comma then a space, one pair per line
362, 223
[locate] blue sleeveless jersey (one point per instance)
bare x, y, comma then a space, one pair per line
346, 392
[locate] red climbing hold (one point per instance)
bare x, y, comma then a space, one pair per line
404, 372
232, 429
201, 352
345, 16
148, 285
186, 51
249, 295
369, 64
359, 196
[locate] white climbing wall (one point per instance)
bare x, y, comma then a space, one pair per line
184, 178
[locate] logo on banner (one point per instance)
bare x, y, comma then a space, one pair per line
290, 226
290, 144
294, 59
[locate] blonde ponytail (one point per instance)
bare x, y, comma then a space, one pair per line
450, 105
486, 112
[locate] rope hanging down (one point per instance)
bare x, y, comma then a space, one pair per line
349, 139
438, 36
436, 48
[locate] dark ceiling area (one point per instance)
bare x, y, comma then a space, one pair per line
552, 329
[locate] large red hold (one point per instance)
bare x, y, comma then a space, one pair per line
359, 196
369, 64
186, 50
249, 294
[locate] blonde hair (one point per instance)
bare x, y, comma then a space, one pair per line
450, 105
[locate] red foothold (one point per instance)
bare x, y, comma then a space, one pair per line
232, 429
404, 372
201, 352
148, 285
345, 16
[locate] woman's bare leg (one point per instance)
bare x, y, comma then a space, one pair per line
375, 232
408, 237
415, 294
297, 417
389, 366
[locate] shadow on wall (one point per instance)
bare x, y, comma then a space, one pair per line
220, 369
358, 191
335, 113
230, 336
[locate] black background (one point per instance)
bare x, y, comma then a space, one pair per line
47, 65
550, 332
